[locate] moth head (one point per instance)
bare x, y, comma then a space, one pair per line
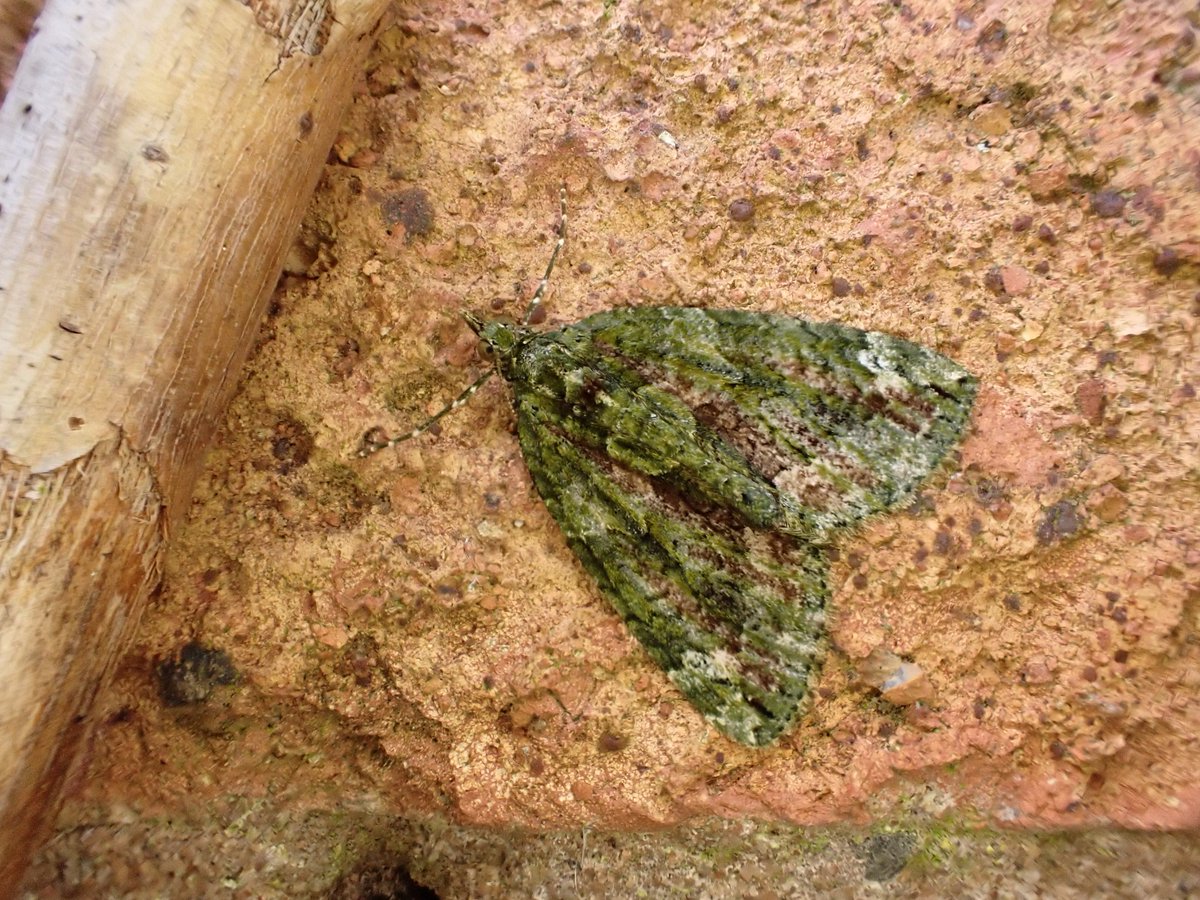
497, 338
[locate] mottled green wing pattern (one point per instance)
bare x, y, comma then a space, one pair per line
699, 460
733, 615
845, 422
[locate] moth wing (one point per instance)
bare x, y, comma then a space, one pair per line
843, 421
733, 615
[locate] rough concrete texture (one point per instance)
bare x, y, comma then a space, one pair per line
259, 849
1012, 184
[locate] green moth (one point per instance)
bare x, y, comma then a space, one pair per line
701, 461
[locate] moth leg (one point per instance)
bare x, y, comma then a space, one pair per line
372, 442
536, 303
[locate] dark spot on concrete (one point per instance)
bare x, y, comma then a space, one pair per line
886, 855
611, 743
1121, 656
291, 444
346, 356
942, 542
741, 210
192, 677
859, 581
1083, 182
412, 208
1046, 233
1020, 93
841, 287
1058, 749
1167, 261
1108, 204
989, 491
359, 659
1012, 602
1060, 521
861, 149
383, 880
340, 495
994, 281
1042, 268
993, 37
1148, 105
1091, 400
1022, 223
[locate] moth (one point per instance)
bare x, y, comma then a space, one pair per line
701, 462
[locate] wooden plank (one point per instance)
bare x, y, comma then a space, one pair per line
155, 161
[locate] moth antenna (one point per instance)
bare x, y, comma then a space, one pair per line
536, 302
371, 444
